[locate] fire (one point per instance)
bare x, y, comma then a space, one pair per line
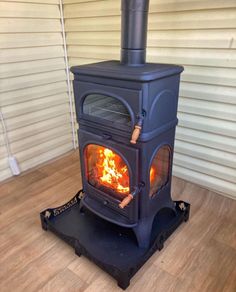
109, 170
152, 175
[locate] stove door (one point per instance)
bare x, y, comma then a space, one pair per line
104, 104
110, 174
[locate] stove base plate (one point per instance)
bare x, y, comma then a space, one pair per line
111, 247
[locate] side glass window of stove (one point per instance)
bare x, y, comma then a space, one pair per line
107, 171
107, 108
159, 171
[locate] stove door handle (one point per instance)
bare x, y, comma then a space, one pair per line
126, 201
137, 130
128, 198
136, 134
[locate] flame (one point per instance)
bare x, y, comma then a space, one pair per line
111, 171
152, 175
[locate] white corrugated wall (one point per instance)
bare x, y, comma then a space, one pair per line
199, 34
33, 89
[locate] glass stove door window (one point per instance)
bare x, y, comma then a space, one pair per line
107, 108
159, 171
107, 171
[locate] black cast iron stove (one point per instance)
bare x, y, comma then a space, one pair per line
127, 112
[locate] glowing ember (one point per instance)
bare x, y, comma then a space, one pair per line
107, 168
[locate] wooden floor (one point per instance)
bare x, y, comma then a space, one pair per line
199, 256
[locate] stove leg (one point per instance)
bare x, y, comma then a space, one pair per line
81, 207
143, 232
123, 282
78, 250
43, 222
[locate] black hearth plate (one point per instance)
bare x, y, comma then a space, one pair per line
111, 247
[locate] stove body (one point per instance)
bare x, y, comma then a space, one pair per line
127, 116
111, 98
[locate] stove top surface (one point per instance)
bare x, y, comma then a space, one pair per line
115, 70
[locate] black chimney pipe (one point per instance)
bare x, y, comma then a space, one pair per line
134, 31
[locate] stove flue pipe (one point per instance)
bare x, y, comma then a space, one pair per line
134, 24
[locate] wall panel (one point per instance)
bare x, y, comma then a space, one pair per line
33, 90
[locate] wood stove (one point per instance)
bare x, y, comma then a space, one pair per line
127, 115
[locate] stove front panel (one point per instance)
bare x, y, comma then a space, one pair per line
109, 172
